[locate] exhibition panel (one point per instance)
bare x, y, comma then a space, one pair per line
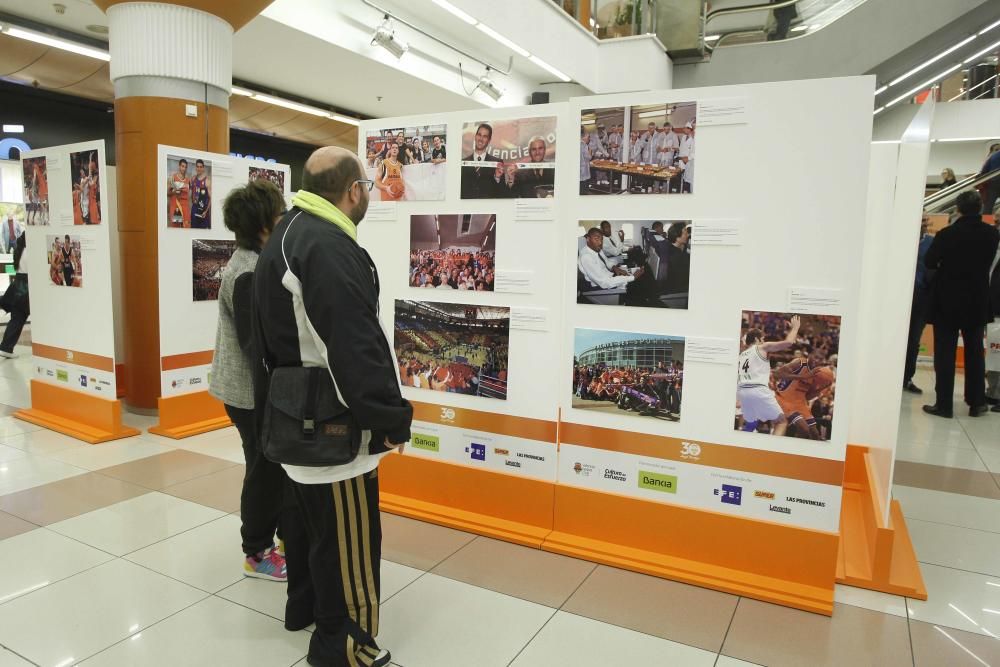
194, 241
68, 254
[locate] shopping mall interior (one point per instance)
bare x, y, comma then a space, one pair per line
282, 462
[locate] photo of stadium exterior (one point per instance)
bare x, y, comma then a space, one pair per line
642, 353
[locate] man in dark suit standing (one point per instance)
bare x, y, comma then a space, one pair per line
960, 302
480, 182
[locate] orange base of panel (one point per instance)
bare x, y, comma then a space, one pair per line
478, 501
89, 418
874, 555
190, 414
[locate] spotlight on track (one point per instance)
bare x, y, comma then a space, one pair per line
487, 86
385, 37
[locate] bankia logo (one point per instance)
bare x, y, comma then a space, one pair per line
62, 376
657, 482
430, 443
730, 495
476, 451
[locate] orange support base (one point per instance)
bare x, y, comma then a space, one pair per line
874, 555
92, 419
190, 414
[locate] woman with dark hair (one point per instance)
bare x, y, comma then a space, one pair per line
15, 301
250, 212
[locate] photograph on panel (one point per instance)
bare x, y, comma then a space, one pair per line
509, 159
36, 190
189, 192
273, 175
12, 220
787, 374
86, 178
620, 372
408, 163
453, 251
453, 347
65, 258
209, 258
639, 150
644, 263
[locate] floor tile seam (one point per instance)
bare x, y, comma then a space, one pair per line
953, 492
909, 636
31, 662
950, 626
487, 588
229, 465
144, 490
172, 577
60, 579
453, 553
415, 580
562, 607
533, 637
729, 627
235, 583
186, 530
953, 525
957, 569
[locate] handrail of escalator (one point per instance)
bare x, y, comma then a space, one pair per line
942, 199
743, 9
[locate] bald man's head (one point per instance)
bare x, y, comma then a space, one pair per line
330, 172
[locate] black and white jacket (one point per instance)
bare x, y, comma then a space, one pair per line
316, 300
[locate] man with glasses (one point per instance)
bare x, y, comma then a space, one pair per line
316, 305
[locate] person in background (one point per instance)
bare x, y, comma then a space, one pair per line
686, 155
250, 212
15, 301
960, 303
918, 311
783, 17
993, 337
425, 154
10, 231
613, 247
947, 178
585, 158
990, 190
440, 153
678, 259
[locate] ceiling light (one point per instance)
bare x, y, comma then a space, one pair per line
879, 91
924, 85
799, 28
294, 106
448, 7
242, 91
878, 111
653, 114
589, 122
991, 47
57, 43
888, 141
931, 61
345, 119
385, 37
988, 28
503, 40
487, 86
945, 141
552, 70
712, 38
13, 129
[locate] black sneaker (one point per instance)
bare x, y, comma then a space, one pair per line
912, 388
995, 408
979, 410
938, 412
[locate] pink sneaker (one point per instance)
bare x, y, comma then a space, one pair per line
266, 565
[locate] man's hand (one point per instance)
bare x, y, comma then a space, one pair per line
638, 274
401, 446
619, 271
621, 235
796, 322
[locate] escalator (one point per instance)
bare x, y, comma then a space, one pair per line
943, 201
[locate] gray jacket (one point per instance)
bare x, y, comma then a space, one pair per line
231, 381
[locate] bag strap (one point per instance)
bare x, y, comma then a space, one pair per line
309, 413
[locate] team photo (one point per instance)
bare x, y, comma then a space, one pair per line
273, 175
786, 379
453, 347
65, 258
86, 188
208, 260
620, 372
189, 193
453, 251
407, 163
509, 159
36, 190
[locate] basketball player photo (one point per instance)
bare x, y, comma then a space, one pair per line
86, 180
189, 193
407, 163
786, 377
65, 258
209, 258
509, 159
36, 190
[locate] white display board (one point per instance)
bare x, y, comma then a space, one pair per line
190, 223
72, 319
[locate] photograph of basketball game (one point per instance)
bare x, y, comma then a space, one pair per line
644, 263
453, 251
621, 372
786, 379
273, 175
458, 348
509, 159
640, 150
65, 259
407, 163
86, 179
189, 193
11, 225
208, 259
36, 190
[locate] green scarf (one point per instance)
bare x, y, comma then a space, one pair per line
321, 208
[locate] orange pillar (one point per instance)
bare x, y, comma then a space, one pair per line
171, 65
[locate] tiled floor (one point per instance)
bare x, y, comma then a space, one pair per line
128, 554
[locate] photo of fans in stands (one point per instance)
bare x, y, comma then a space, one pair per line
208, 259
623, 372
407, 163
509, 159
643, 263
453, 252
273, 175
787, 374
453, 347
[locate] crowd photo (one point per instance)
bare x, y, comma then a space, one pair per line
787, 374
407, 163
36, 190
453, 347
635, 373
189, 193
509, 159
65, 258
208, 260
644, 263
86, 188
273, 175
453, 252
638, 150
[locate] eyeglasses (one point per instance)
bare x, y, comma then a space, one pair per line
365, 181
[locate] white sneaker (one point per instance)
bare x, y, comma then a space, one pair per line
7, 355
